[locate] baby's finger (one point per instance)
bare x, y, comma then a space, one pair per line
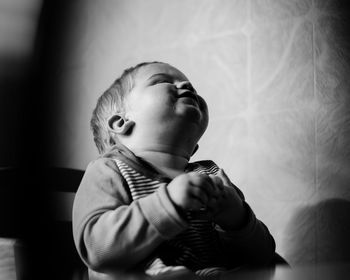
195, 205
205, 183
202, 214
200, 195
217, 181
213, 186
219, 186
213, 206
213, 203
225, 179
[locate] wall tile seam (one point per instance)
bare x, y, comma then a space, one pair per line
314, 16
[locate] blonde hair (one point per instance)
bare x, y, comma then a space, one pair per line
109, 103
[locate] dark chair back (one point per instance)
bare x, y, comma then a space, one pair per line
36, 214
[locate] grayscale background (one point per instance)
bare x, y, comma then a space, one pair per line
275, 75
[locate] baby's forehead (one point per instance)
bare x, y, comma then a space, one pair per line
150, 70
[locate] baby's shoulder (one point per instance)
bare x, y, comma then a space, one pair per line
102, 175
104, 165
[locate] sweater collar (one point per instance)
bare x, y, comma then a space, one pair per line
124, 154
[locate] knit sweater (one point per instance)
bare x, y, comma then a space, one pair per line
124, 219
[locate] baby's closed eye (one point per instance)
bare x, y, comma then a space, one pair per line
162, 81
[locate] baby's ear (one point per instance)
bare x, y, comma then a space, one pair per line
119, 124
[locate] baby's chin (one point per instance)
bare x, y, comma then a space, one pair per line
192, 113
196, 123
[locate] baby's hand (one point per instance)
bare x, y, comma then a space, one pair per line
192, 191
228, 211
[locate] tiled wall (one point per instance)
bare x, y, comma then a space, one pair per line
275, 76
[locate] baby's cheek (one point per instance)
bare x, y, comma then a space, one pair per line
204, 109
202, 104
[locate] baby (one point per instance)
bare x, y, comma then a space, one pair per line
141, 206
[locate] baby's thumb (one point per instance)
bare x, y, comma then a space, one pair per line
222, 175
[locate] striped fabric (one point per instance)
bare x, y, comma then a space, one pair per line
196, 247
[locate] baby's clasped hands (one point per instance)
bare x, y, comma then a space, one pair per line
212, 197
193, 191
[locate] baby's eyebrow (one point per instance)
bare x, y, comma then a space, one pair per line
162, 75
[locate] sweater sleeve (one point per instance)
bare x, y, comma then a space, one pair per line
110, 231
251, 245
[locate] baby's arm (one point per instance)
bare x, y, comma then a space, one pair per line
251, 241
109, 232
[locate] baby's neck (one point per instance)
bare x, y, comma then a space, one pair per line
170, 164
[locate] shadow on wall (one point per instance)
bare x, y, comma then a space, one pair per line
320, 233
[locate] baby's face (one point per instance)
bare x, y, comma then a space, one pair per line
162, 95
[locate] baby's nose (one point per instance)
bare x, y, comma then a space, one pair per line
185, 85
